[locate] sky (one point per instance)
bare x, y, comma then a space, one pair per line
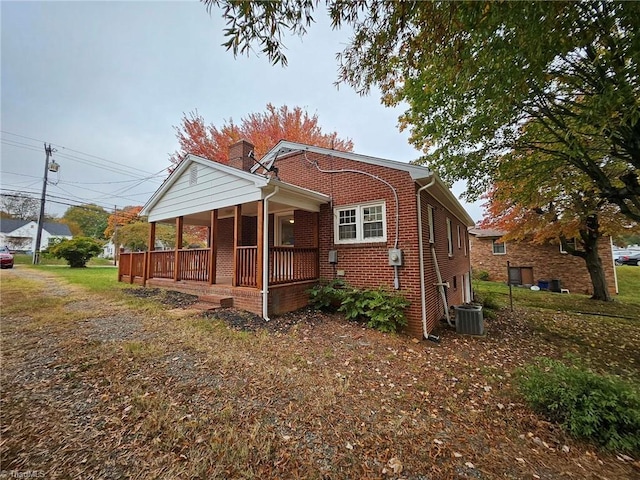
106, 82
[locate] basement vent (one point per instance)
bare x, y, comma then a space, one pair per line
469, 319
193, 175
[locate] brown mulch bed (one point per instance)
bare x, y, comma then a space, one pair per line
93, 389
166, 297
233, 317
250, 322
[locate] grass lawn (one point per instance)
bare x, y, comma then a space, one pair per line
625, 304
23, 259
94, 387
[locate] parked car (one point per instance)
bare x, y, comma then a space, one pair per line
6, 259
633, 259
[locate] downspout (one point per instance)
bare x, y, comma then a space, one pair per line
421, 256
265, 254
441, 286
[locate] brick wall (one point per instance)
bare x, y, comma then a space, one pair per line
286, 298
239, 155
454, 268
366, 265
546, 260
224, 263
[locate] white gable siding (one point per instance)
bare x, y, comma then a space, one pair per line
213, 189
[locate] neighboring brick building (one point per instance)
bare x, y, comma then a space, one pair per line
537, 264
305, 213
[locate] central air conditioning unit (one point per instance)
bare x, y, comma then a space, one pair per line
469, 319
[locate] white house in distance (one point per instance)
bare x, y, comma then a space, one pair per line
20, 235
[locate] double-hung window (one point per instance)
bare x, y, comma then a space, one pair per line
432, 235
571, 243
361, 223
499, 248
449, 238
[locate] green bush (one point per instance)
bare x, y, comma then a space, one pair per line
481, 275
76, 251
327, 296
381, 309
602, 409
489, 302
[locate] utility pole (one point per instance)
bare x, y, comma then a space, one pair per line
116, 247
36, 252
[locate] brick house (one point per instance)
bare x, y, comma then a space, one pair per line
305, 213
537, 264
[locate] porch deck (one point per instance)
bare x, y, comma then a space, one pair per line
291, 271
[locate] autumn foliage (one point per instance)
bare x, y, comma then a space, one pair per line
122, 217
264, 130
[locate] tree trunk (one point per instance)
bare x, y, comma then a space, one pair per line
598, 279
590, 236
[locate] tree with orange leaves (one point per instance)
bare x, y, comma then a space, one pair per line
539, 199
263, 130
122, 217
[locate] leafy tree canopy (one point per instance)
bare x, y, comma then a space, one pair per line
264, 130
124, 216
473, 73
90, 219
76, 251
19, 206
539, 198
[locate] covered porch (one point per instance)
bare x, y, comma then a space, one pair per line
265, 248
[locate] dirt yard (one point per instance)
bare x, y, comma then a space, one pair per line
122, 387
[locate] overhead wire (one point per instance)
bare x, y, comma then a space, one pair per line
127, 186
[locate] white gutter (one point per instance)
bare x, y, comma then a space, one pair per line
265, 253
421, 254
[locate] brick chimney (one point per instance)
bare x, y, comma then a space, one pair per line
239, 155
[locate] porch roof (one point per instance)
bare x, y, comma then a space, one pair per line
199, 185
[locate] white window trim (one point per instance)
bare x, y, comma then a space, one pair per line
430, 216
493, 247
449, 237
459, 239
466, 242
359, 223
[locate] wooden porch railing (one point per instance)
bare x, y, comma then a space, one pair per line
162, 263
286, 265
132, 265
292, 264
247, 266
194, 264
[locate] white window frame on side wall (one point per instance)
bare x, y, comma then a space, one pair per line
449, 237
430, 217
569, 241
495, 242
360, 221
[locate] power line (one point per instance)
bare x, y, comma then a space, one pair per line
109, 162
52, 199
157, 175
